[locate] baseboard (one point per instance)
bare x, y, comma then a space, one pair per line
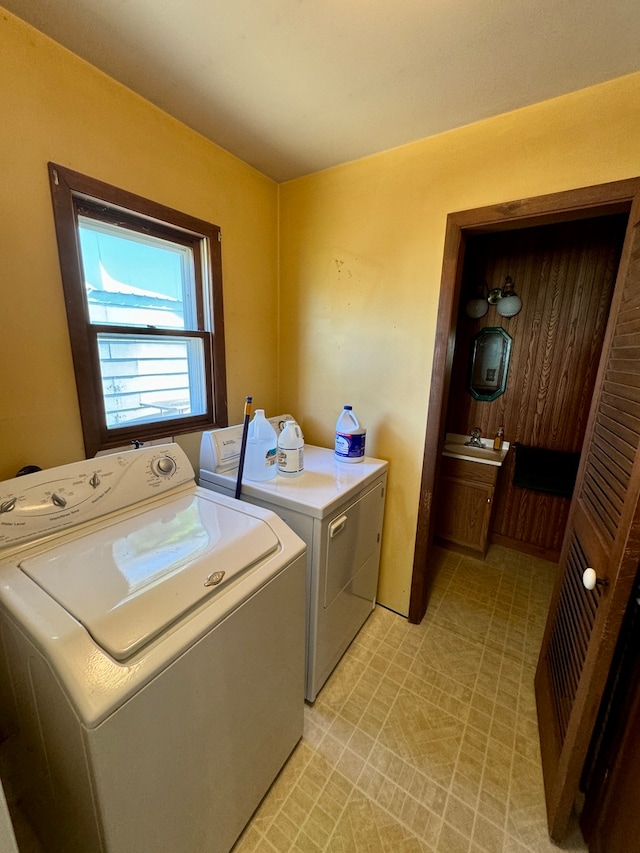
525, 548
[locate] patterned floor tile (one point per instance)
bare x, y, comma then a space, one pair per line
425, 737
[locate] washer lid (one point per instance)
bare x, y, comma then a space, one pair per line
129, 581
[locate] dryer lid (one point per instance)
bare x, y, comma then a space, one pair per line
127, 582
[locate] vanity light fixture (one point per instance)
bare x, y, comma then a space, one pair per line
507, 302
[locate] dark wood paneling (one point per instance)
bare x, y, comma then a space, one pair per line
565, 274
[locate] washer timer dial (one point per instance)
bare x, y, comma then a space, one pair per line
165, 466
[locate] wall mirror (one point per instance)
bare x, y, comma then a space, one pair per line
489, 364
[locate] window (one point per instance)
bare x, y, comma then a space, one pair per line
143, 291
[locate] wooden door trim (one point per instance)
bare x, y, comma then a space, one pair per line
586, 202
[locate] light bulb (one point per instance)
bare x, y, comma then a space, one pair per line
476, 308
509, 306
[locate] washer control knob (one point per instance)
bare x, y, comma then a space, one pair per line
165, 466
95, 480
58, 500
7, 506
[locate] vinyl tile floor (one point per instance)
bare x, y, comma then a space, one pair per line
425, 736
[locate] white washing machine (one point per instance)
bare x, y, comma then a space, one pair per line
337, 509
152, 653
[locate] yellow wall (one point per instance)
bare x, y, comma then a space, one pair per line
361, 257
55, 107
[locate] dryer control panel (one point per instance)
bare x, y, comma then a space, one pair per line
220, 448
46, 502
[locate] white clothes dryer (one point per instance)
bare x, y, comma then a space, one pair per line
337, 508
152, 653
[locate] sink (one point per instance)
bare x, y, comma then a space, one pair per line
455, 446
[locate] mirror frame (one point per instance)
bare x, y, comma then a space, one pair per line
495, 386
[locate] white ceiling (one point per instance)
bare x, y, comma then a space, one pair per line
294, 86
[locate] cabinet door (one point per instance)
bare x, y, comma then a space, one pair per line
464, 513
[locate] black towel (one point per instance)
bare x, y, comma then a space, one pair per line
550, 471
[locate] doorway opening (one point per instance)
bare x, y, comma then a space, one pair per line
490, 223
564, 275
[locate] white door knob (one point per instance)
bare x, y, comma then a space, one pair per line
590, 579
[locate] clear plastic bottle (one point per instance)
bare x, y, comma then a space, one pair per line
261, 456
290, 451
350, 437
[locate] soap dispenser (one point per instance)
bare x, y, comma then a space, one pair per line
497, 441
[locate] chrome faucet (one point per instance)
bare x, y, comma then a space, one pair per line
474, 441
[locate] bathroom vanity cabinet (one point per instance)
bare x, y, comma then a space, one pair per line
465, 503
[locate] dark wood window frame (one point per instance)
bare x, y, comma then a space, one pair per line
75, 194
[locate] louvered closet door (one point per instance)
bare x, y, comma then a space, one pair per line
603, 533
